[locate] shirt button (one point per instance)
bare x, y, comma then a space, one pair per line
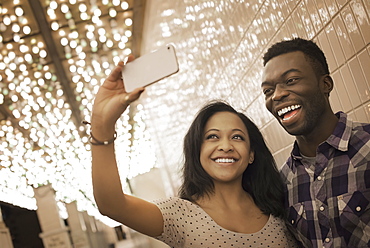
358, 208
292, 221
322, 208
327, 240
319, 178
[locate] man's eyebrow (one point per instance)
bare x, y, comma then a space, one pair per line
264, 83
289, 71
282, 75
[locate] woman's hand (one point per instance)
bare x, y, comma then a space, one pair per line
112, 99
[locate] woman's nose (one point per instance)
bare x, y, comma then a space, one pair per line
225, 145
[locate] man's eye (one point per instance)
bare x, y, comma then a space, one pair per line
267, 91
291, 80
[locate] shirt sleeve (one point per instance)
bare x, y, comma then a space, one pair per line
172, 229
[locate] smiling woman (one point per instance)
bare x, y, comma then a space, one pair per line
225, 152
231, 192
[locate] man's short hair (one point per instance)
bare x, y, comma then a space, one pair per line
311, 51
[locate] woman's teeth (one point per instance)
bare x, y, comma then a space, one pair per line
225, 160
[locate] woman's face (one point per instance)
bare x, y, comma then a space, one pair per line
225, 152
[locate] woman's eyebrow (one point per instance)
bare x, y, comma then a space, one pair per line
217, 130
212, 129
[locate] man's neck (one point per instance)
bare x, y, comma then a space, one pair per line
308, 143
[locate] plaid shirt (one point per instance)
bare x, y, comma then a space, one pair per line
329, 200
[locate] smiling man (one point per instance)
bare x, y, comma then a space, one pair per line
327, 176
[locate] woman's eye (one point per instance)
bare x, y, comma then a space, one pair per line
212, 136
238, 137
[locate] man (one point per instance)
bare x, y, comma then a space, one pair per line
327, 175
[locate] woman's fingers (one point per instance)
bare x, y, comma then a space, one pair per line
132, 96
113, 86
130, 58
116, 74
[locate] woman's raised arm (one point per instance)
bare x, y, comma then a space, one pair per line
110, 102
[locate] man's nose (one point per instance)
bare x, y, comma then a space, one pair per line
279, 93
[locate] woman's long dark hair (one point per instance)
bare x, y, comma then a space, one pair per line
261, 179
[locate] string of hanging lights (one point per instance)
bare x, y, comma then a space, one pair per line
54, 55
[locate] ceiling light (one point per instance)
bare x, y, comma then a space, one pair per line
19, 11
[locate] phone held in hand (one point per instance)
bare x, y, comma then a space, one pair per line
150, 68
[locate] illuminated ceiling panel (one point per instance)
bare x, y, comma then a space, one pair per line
53, 57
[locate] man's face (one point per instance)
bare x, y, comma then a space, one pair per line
293, 93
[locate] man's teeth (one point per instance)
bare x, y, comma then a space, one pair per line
225, 160
283, 111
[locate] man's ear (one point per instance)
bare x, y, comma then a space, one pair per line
328, 84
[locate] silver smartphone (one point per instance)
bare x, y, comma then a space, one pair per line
150, 68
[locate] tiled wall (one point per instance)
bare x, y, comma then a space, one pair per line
220, 44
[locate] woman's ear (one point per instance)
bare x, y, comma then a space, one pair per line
251, 157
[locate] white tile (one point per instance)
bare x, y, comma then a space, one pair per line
342, 91
352, 28
343, 36
359, 80
350, 86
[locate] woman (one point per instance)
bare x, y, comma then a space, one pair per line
231, 193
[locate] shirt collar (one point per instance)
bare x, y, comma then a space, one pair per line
339, 139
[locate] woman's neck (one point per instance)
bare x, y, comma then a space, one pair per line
226, 196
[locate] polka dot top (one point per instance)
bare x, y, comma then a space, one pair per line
188, 225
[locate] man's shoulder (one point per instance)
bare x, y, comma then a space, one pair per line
353, 131
360, 135
354, 125
361, 127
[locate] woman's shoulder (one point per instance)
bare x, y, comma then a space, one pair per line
278, 232
170, 200
176, 204
275, 222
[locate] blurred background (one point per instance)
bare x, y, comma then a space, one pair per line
54, 55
